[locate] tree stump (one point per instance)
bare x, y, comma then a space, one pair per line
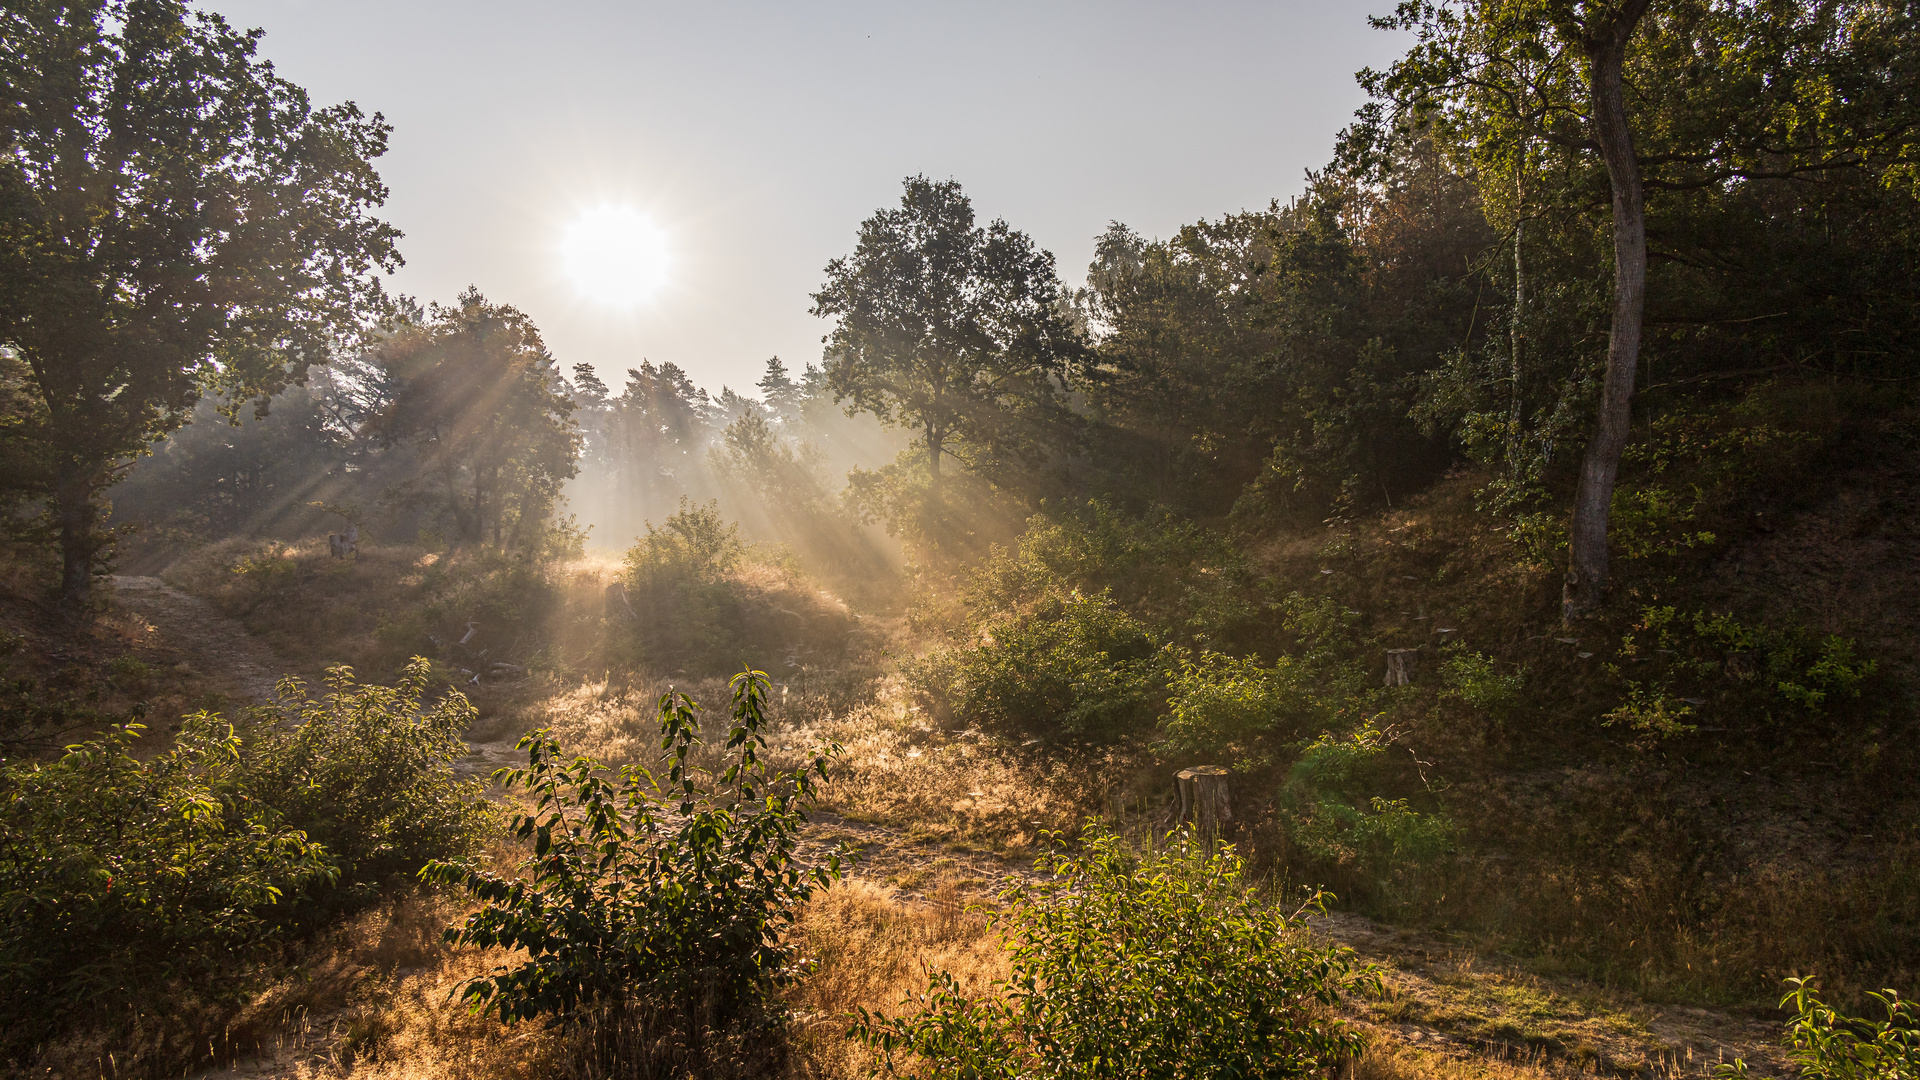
1400, 666
617, 606
1203, 801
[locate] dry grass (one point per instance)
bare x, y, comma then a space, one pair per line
1388, 1060
390, 1013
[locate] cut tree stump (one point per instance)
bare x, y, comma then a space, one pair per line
617, 605
1203, 801
1400, 666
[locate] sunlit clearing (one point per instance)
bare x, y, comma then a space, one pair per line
615, 255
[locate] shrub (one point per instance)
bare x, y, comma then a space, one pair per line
1472, 678
1777, 672
1137, 967
695, 544
1078, 667
1220, 704
646, 903
118, 876
368, 772
1163, 571
1323, 804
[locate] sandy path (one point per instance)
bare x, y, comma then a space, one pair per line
214, 643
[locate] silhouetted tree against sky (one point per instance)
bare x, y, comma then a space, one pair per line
174, 218
956, 331
480, 398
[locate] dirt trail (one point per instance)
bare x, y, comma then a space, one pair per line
1439, 996
216, 644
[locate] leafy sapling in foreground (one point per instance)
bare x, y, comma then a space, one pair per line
647, 900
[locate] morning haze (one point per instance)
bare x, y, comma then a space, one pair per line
1455, 617
759, 134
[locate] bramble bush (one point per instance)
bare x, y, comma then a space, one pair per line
652, 909
1135, 966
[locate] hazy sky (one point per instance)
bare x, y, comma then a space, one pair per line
758, 136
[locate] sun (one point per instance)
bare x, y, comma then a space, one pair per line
615, 256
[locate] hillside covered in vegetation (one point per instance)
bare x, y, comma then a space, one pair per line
1522, 518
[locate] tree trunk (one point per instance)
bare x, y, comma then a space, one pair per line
1401, 664
77, 514
1587, 572
935, 440
1203, 801
1515, 411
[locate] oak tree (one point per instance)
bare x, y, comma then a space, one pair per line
175, 218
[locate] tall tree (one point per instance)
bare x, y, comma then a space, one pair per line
482, 399
953, 330
1668, 99
174, 217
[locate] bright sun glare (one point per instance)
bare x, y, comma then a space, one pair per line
615, 255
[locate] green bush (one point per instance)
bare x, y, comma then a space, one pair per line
1079, 667
648, 900
1219, 704
1135, 967
1333, 819
119, 876
1473, 679
368, 772
1828, 1045
1163, 571
695, 544
1780, 672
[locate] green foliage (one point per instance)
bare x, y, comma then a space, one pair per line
148, 253
1073, 667
695, 545
367, 771
1790, 669
1165, 571
476, 395
1322, 805
957, 332
1652, 521
644, 892
1221, 704
1131, 966
1826, 1044
1651, 713
118, 876
1474, 679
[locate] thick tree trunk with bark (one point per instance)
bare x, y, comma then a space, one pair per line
1203, 801
77, 515
1587, 572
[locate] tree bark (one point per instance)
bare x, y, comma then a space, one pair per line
1401, 664
1587, 571
1203, 801
74, 508
1515, 411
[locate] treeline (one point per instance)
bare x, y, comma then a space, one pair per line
457, 427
